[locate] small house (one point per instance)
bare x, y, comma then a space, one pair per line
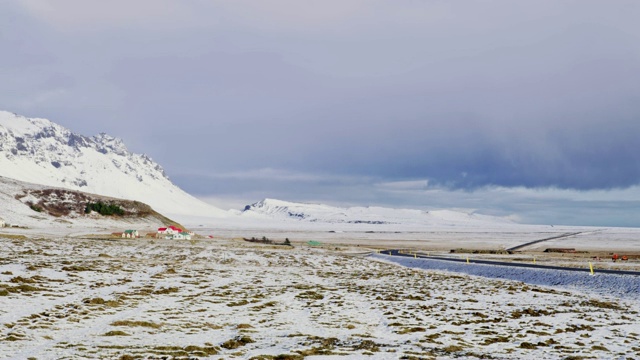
161, 232
130, 234
2, 223
181, 236
164, 232
168, 231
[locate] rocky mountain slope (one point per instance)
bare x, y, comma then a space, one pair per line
40, 151
34, 206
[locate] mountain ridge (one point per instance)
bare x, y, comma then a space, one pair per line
373, 215
40, 151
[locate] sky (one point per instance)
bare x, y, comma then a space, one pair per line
511, 108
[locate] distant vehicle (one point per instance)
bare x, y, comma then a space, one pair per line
617, 257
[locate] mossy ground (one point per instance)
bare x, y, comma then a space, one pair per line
196, 300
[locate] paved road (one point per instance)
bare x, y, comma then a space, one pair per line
397, 252
545, 239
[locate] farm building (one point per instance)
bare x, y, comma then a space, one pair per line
161, 232
181, 236
129, 234
168, 232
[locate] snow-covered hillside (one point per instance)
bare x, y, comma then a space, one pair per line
42, 152
40, 210
316, 213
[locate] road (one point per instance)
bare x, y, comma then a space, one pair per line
545, 239
399, 252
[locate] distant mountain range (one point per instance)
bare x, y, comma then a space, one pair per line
38, 151
283, 210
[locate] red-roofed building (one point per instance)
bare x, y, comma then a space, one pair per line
168, 232
163, 231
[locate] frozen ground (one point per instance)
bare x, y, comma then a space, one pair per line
75, 298
488, 236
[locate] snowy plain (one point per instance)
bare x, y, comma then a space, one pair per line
78, 298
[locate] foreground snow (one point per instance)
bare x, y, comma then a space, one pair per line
224, 299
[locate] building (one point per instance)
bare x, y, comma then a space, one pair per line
130, 234
168, 232
2, 223
181, 236
162, 231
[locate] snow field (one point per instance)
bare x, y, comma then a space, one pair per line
203, 299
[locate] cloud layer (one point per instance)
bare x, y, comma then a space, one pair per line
471, 96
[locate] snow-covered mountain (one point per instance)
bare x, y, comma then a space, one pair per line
39, 151
38, 209
317, 213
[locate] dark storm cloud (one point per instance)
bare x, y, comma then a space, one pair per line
465, 95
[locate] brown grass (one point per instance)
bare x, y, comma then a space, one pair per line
133, 323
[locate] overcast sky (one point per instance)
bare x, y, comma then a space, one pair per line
523, 108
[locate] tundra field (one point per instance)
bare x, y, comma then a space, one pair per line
225, 299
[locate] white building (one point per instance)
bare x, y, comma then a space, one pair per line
181, 236
2, 223
130, 234
168, 231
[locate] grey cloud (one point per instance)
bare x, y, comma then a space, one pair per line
541, 95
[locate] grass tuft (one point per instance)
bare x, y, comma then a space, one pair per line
237, 342
136, 323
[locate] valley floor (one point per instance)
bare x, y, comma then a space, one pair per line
75, 298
